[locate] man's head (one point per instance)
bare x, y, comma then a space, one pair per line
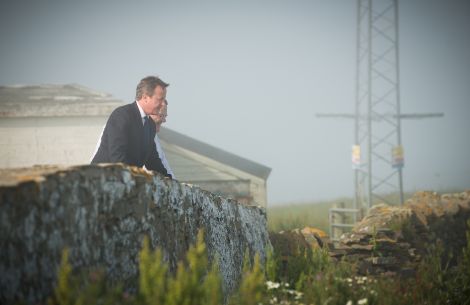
151, 94
160, 118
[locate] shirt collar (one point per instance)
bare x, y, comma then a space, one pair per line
142, 113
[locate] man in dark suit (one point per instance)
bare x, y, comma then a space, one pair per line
128, 136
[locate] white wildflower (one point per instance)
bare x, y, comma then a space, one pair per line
294, 292
349, 302
360, 280
272, 285
362, 301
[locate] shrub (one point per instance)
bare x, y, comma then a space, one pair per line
252, 287
195, 282
321, 280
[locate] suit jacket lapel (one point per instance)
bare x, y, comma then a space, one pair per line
137, 122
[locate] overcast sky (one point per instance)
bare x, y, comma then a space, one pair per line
249, 76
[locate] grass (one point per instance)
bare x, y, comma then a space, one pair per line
314, 214
299, 215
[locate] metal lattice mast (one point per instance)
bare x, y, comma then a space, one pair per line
377, 154
377, 128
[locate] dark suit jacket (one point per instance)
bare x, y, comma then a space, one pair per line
123, 141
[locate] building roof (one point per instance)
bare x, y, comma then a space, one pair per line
74, 100
54, 101
214, 153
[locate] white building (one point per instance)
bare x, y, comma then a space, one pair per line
60, 124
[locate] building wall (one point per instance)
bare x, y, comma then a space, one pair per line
72, 140
46, 140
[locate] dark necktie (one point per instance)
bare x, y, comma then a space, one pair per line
147, 134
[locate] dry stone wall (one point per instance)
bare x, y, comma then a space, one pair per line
390, 240
102, 213
394, 239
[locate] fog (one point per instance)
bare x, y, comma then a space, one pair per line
249, 77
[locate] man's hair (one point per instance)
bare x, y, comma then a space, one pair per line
147, 86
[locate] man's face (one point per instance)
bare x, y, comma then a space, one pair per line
153, 104
160, 118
